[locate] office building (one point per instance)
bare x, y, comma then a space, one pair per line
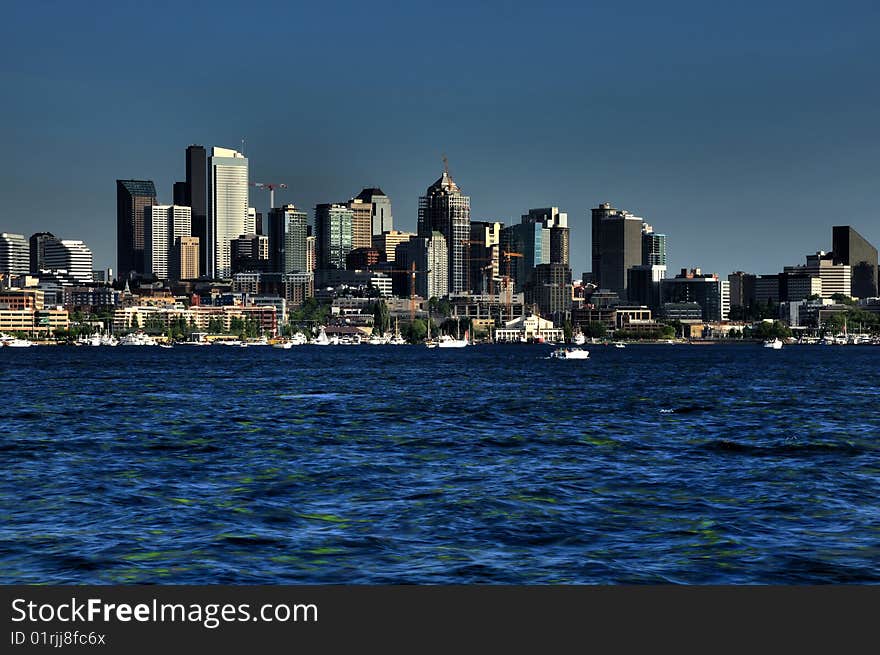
693, 286
227, 208
250, 254
163, 225
71, 256
387, 242
836, 278
653, 247
557, 223
288, 229
38, 251
742, 288
851, 249
332, 235
14, 254
616, 247
311, 254
132, 197
529, 245
183, 263
380, 210
550, 290
430, 258
361, 223
196, 197
445, 209
767, 289
361, 259
643, 285
484, 255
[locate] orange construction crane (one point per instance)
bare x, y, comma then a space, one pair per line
411, 271
271, 186
467, 244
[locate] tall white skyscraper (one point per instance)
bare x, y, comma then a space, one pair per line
227, 207
163, 226
69, 255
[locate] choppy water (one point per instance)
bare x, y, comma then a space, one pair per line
489, 464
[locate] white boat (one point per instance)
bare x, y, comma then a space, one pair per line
775, 344
396, 340
14, 342
286, 345
618, 344
262, 341
165, 345
137, 339
579, 339
445, 341
322, 339
570, 353
376, 340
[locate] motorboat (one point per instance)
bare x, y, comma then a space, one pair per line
14, 342
570, 353
619, 344
286, 345
775, 344
137, 339
445, 341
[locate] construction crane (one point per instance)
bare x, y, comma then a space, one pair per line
507, 255
412, 272
468, 259
271, 186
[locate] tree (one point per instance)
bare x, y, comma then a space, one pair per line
567, 330
595, 329
842, 299
381, 317
416, 331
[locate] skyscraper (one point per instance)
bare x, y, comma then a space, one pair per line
653, 247
69, 255
197, 199
132, 196
14, 254
484, 254
616, 247
288, 230
163, 226
529, 240
227, 207
380, 210
332, 235
184, 261
361, 223
38, 250
429, 256
445, 209
851, 248
557, 223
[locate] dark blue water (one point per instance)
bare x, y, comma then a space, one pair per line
489, 464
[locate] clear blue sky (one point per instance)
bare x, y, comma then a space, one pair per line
744, 132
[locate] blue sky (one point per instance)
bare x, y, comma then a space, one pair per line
744, 132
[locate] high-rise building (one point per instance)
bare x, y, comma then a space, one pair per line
643, 285
360, 259
445, 209
288, 233
227, 207
531, 242
332, 235
836, 278
38, 250
132, 196
483, 254
852, 249
180, 194
557, 223
250, 224
14, 254
387, 242
616, 247
653, 247
250, 253
742, 289
429, 254
69, 255
550, 290
163, 225
184, 261
196, 197
361, 223
380, 210
311, 254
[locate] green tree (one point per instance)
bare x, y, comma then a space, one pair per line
567, 330
381, 317
416, 331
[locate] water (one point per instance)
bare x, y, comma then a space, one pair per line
407, 465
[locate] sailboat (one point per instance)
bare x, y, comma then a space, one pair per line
448, 342
397, 339
429, 342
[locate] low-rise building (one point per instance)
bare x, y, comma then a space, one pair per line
528, 328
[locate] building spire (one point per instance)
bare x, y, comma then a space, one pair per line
445, 165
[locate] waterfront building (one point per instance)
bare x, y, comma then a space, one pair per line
90, 298
381, 219
37, 247
387, 242
183, 263
531, 241
163, 226
528, 328
288, 239
361, 223
14, 254
445, 209
132, 197
430, 258
22, 299
333, 232
685, 312
616, 246
851, 249
227, 208
72, 256
710, 293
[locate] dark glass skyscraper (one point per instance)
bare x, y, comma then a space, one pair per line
196, 196
850, 247
38, 250
131, 198
616, 247
445, 209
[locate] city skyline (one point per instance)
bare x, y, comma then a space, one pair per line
745, 138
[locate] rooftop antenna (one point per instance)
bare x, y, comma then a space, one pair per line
242, 145
445, 165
